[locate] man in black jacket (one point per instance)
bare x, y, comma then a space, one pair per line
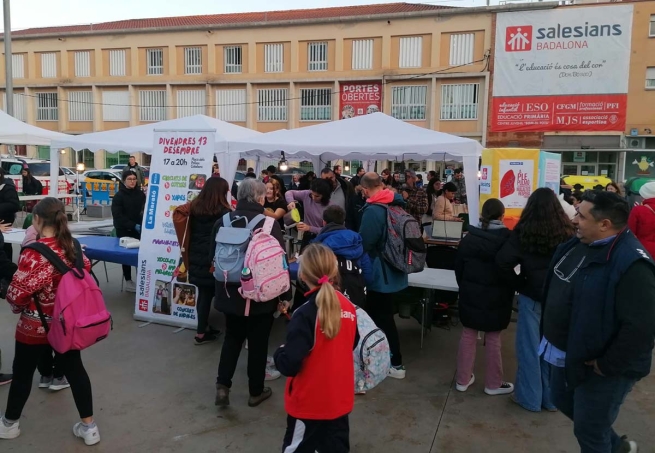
599, 321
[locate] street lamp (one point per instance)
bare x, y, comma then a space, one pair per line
284, 165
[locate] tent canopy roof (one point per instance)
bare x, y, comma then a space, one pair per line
15, 132
140, 138
375, 136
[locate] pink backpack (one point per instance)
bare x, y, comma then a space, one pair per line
80, 318
267, 262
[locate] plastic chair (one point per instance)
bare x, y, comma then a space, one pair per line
27, 222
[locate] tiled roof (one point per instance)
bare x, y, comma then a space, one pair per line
235, 18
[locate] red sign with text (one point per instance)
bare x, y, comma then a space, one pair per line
593, 112
359, 99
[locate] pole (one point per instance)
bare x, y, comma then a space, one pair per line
9, 76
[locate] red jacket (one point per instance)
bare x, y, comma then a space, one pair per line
321, 374
642, 224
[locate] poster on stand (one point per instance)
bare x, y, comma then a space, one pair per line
549, 170
181, 163
516, 182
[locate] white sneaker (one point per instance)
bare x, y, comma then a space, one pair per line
272, 374
130, 286
91, 436
505, 389
45, 382
59, 384
9, 432
465, 387
270, 361
397, 372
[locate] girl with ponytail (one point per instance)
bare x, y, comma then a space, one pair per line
318, 359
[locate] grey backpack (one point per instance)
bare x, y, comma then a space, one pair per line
231, 245
404, 248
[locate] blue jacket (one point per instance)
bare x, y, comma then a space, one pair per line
613, 327
346, 244
373, 230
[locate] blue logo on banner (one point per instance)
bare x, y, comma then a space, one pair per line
155, 178
151, 209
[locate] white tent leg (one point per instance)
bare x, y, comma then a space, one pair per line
54, 171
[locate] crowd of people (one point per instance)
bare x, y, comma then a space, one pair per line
586, 317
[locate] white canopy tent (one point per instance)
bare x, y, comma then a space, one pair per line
140, 138
15, 132
370, 137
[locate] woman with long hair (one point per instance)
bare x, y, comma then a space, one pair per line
31, 185
275, 205
485, 299
193, 223
542, 227
433, 190
314, 202
317, 359
443, 204
37, 280
614, 187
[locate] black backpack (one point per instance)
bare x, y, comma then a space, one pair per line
352, 282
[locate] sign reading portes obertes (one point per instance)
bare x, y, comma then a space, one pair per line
181, 163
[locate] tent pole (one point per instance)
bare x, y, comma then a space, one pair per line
9, 79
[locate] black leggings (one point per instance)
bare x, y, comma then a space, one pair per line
204, 307
48, 364
26, 358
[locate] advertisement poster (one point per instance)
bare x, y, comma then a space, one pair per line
555, 70
359, 99
516, 182
181, 163
550, 170
485, 179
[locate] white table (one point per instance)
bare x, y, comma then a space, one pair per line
61, 196
17, 236
430, 280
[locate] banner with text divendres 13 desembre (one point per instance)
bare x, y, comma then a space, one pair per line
181, 163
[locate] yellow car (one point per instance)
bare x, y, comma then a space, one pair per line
101, 180
587, 182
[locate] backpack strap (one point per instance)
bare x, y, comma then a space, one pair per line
267, 228
227, 221
255, 221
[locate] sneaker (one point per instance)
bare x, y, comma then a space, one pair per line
628, 446
270, 361
222, 396
255, 401
465, 387
5, 378
505, 389
91, 435
397, 372
45, 382
130, 286
272, 374
207, 338
9, 432
59, 384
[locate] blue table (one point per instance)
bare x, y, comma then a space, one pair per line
106, 248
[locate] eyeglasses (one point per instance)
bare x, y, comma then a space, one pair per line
560, 274
130, 179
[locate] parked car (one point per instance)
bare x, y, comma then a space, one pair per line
90, 178
40, 169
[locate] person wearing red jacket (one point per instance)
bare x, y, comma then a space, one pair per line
642, 218
317, 359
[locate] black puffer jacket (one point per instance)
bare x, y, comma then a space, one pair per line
228, 300
201, 242
534, 267
485, 291
9, 204
127, 210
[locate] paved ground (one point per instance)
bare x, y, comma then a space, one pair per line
154, 392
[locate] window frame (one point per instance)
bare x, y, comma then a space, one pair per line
151, 69
409, 107
318, 47
320, 94
459, 106
232, 51
49, 108
191, 67
283, 99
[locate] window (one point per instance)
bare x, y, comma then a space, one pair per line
116, 105
408, 102
652, 25
316, 104
190, 102
152, 105
650, 78
233, 59
20, 107
461, 49
317, 56
273, 57
83, 64
411, 52
88, 158
231, 105
47, 107
80, 106
18, 66
155, 61
362, 54
272, 104
193, 60
48, 65
460, 102
119, 158
117, 63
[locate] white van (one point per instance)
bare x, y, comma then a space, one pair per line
40, 169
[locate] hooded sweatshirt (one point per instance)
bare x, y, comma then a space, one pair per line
346, 244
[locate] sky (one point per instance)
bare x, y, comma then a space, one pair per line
41, 13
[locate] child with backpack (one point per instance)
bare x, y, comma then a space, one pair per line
317, 358
32, 293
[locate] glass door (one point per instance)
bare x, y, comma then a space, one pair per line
579, 169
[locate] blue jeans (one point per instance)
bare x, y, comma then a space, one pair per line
532, 385
593, 406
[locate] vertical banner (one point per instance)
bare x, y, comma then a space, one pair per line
516, 182
549, 170
181, 163
359, 99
